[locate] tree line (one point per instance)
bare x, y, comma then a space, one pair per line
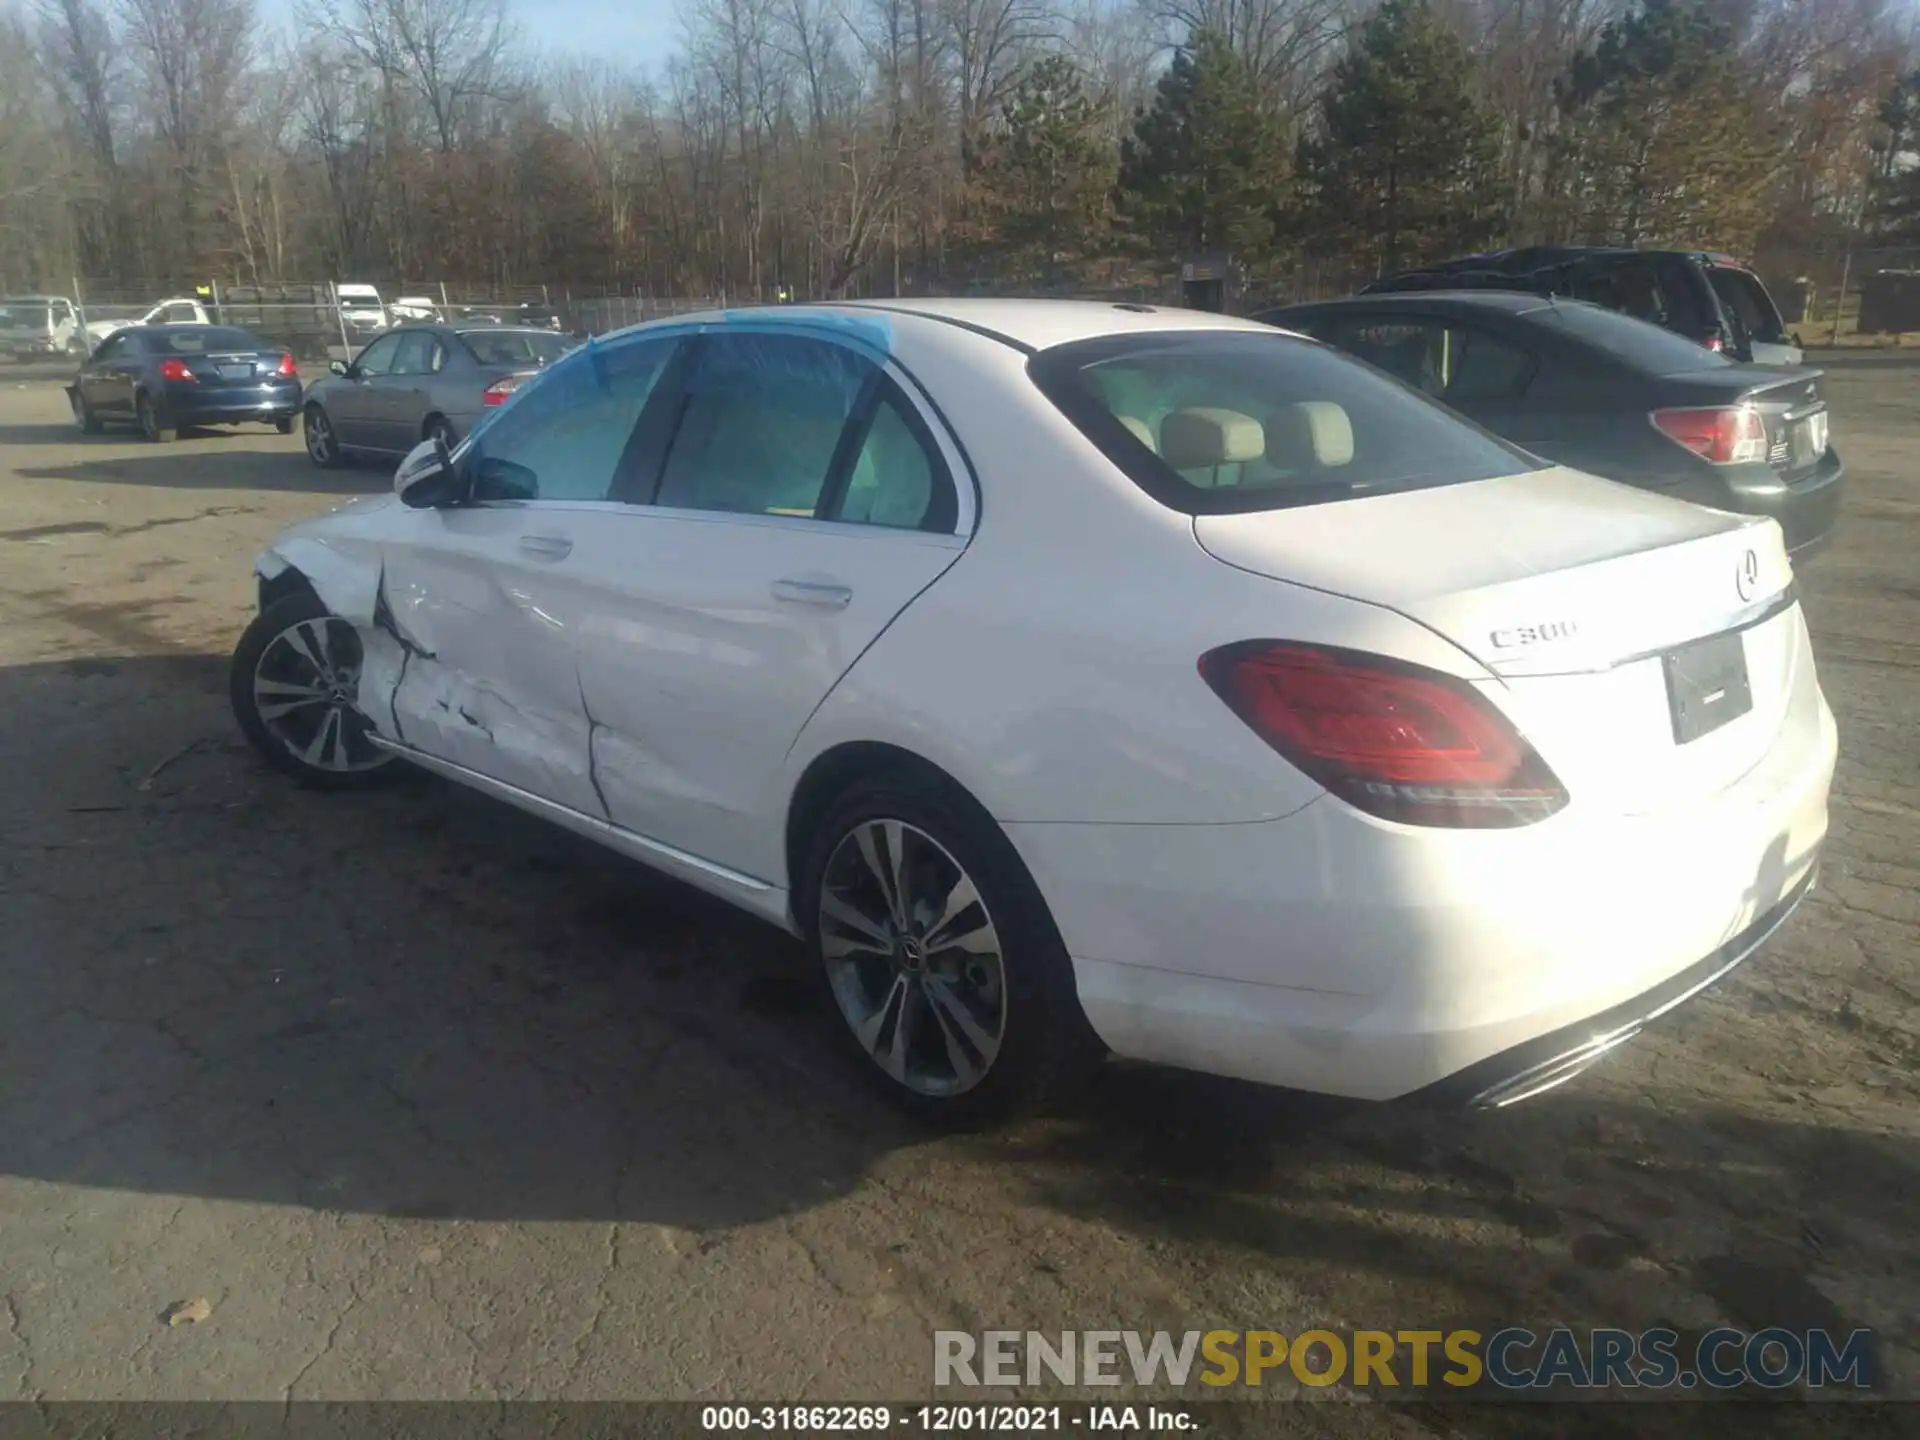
831, 147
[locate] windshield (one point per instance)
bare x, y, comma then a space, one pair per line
204, 340
1218, 422
1642, 345
514, 347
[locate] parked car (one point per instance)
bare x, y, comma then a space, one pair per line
415, 309
1585, 387
33, 327
1068, 673
541, 317
1705, 295
168, 378
419, 382
178, 311
362, 313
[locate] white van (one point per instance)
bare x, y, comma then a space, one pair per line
33, 327
362, 311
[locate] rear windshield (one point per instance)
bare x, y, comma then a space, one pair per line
24, 313
514, 347
1643, 346
1217, 422
203, 340
1742, 293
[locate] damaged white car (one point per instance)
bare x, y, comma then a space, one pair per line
1076, 677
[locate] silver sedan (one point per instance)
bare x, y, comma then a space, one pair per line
420, 382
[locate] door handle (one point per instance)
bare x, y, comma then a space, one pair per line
546, 547
823, 593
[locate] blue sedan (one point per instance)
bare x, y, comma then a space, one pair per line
167, 378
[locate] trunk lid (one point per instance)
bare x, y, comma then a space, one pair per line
1572, 591
231, 367
1791, 403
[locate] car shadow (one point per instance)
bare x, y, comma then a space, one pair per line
415, 1002
202, 460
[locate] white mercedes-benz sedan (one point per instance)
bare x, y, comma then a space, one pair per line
1077, 677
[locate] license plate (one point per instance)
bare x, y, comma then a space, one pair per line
1707, 685
1810, 438
236, 372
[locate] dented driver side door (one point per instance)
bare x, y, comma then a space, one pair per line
491, 680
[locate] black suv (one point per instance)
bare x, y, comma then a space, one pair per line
1709, 297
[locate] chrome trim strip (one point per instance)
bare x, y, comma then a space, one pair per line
572, 819
1557, 1070
1760, 614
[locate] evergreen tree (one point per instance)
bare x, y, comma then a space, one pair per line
1046, 174
1402, 164
1204, 163
1659, 141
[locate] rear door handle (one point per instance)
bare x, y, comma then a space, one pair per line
546, 547
813, 592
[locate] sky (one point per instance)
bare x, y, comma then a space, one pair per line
636, 33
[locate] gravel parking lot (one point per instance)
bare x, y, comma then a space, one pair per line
426, 1100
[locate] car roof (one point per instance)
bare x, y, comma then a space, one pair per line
1511, 302
1025, 324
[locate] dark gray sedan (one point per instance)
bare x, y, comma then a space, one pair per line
420, 382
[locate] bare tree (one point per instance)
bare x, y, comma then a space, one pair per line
450, 53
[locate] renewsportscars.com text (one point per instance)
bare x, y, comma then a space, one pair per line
1513, 1358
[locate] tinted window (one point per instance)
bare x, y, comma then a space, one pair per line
111, 348
1645, 347
513, 347
763, 420
1747, 298
1217, 422
377, 358
897, 479
414, 355
565, 436
203, 340
180, 313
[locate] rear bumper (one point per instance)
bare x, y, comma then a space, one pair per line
1806, 510
1331, 952
194, 404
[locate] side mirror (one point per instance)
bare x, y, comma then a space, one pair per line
428, 479
338, 367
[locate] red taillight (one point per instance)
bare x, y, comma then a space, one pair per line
1726, 435
1394, 739
288, 368
1714, 343
499, 390
175, 370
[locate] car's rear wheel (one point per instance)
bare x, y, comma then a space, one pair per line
323, 446
294, 685
83, 415
938, 954
152, 424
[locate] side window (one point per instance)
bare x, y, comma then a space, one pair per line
111, 348
1409, 350
414, 356
565, 438
898, 479
1477, 365
180, 313
762, 424
377, 358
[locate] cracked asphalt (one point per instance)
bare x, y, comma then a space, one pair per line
427, 1100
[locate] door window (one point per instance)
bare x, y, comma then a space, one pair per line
762, 424
180, 313
414, 354
898, 479
567, 437
377, 358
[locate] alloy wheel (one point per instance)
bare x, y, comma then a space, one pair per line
913, 957
319, 434
305, 689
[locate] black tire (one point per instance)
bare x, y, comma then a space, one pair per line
438, 427
153, 424
1046, 1046
83, 415
262, 657
284, 424
323, 441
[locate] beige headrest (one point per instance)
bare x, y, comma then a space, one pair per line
1199, 439
1315, 434
1139, 429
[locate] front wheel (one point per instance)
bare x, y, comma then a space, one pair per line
323, 446
938, 953
294, 684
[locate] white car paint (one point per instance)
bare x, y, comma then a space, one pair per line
1786, 356
637, 675
361, 309
179, 310
34, 326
